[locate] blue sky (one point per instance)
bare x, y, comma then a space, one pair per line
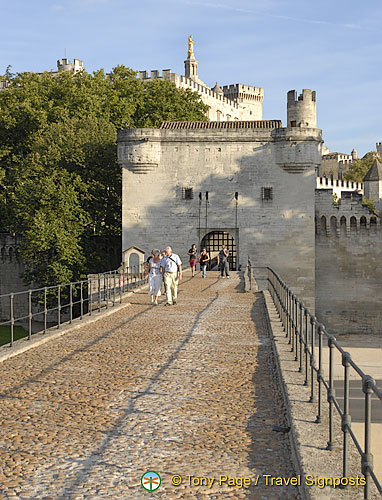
333, 47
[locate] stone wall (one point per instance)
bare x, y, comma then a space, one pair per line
348, 270
158, 165
11, 269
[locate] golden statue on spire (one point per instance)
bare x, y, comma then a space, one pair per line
190, 53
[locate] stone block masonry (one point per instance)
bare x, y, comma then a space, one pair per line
272, 170
348, 270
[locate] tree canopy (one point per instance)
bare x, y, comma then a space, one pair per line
60, 183
359, 168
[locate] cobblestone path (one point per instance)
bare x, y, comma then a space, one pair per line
185, 390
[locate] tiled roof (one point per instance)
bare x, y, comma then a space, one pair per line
270, 124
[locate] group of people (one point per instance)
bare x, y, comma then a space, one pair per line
166, 268
204, 258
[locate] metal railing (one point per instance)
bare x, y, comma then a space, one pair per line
42, 308
306, 335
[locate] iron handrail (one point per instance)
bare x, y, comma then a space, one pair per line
301, 328
100, 290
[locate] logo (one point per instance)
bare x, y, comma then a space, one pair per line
151, 480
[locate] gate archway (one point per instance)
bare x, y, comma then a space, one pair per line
213, 241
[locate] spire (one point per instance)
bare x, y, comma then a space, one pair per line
375, 172
191, 64
217, 89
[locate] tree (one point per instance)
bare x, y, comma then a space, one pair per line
359, 168
60, 183
162, 101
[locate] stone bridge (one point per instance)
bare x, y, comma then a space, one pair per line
189, 390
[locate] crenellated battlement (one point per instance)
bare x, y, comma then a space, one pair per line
346, 217
338, 184
243, 93
65, 65
301, 110
9, 248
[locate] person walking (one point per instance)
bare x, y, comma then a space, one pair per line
204, 258
155, 277
171, 266
193, 256
223, 261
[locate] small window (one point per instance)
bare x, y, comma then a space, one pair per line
266, 193
293, 123
187, 193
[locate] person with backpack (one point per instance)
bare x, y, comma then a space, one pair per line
223, 261
171, 266
204, 258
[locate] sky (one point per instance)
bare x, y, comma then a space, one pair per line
333, 47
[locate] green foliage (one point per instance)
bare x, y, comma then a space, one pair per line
359, 168
60, 183
370, 204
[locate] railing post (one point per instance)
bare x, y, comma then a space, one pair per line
59, 306
306, 350
99, 293
312, 360
11, 316
81, 299
45, 309
289, 331
346, 418
331, 392
29, 314
121, 279
367, 457
319, 374
296, 329
70, 303
114, 288
106, 286
90, 296
300, 336
291, 340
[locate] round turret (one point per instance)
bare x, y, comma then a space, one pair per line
301, 111
354, 154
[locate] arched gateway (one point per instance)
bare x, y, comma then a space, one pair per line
213, 242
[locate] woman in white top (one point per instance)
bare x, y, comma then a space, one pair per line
155, 277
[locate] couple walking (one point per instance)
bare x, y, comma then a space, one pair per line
167, 269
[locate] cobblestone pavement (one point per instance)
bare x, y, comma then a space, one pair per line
186, 389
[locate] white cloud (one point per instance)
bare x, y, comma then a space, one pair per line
57, 7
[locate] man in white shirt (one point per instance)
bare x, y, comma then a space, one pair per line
171, 267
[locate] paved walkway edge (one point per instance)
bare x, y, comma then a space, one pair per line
53, 333
308, 439
273, 324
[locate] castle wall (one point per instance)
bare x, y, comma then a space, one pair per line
348, 271
277, 232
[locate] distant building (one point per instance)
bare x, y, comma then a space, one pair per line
228, 103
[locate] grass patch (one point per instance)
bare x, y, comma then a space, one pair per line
5, 334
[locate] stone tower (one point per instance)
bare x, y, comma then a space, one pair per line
373, 184
301, 111
379, 148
